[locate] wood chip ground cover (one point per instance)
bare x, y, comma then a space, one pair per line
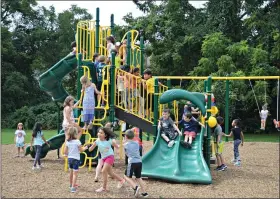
257, 177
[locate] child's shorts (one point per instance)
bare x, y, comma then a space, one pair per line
20, 144
109, 160
133, 168
219, 147
171, 134
73, 164
263, 118
190, 133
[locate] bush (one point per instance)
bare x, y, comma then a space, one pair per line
45, 113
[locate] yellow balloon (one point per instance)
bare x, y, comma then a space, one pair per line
212, 121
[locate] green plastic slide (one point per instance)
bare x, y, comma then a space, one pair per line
51, 80
55, 143
178, 164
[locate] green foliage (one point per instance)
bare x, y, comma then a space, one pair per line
45, 113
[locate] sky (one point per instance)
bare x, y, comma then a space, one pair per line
118, 8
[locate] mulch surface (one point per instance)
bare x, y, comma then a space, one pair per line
257, 177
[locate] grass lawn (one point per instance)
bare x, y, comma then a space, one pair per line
7, 136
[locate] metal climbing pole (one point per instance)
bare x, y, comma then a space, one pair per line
155, 109
227, 109
97, 31
208, 154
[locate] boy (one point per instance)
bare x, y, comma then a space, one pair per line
167, 127
99, 72
190, 128
263, 115
134, 165
219, 145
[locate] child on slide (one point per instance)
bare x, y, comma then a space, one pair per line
190, 129
167, 128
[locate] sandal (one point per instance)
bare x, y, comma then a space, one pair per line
101, 189
95, 179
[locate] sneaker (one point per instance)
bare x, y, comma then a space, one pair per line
38, 167
189, 145
224, 166
171, 143
233, 161
73, 189
33, 168
144, 195
238, 163
101, 189
220, 169
41, 166
95, 179
120, 184
136, 191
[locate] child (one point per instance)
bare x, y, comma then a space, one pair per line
88, 100
72, 150
99, 73
189, 109
190, 128
263, 115
134, 164
110, 46
19, 138
167, 128
137, 139
74, 48
219, 145
277, 124
68, 116
38, 138
104, 143
100, 161
238, 138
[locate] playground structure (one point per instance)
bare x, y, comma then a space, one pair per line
176, 164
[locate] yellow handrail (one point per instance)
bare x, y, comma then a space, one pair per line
218, 78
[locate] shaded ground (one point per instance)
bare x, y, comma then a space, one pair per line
257, 177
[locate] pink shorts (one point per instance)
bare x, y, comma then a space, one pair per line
109, 160
190, 134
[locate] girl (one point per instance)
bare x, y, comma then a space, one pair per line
19, 138
263, 115
110, 46
38, 138
100, 161
88, 101
72, 150
68, 117
104, 143
238, 138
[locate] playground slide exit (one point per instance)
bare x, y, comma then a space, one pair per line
51, 80
178, 164
55, 143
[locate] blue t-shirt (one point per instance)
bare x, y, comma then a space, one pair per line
131, 149
99, 70
189, 126
105, 148
38, 139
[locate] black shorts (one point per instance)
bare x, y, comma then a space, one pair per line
133, 168
171, 134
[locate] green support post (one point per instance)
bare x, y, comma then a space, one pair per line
208, 154
142, 52
156, 112
128, 49
227, 110
205, 138
169, 87
97, 31
112, 25
112, 89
